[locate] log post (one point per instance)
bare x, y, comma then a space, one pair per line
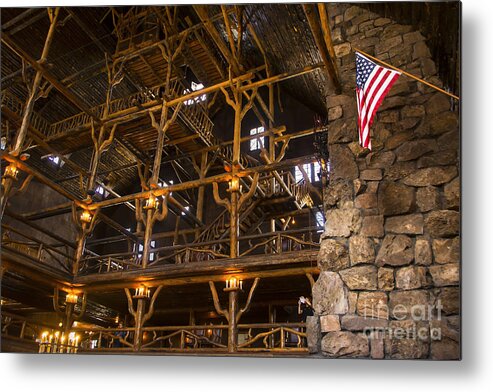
233, 325
34, 94
140, 316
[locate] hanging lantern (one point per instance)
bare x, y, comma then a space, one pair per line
11, 171
151, 203
86, 216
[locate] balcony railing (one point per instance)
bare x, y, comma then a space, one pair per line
267, 243
260, 337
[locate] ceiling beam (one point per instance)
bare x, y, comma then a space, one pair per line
320, 40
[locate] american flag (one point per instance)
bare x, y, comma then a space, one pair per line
373, 82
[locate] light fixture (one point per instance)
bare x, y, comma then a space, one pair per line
11, 172
71, 298
151, 203
233, 283
86, 216
58, 342
142, 292
234, 184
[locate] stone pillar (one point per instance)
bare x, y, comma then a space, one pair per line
389, 255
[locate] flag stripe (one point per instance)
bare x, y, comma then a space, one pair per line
373, 82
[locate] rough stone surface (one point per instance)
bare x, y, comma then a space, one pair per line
395, 250
338, 193
366, 201
371, 174
446, 344
352, 322
431, 176
360, 277
386, 279
329, 295
330, 323
441, 158
449, 298
422, 252
411, 277
445, 274
345, 344
373, 304
404, 304
313, 334
361, 250
414, 149
341, 222
442, 223
399, 170
406, 345
380, 160
372, 226
343, 164
405, 224
451, 193
377, 348
446, 250
427, 198
352, 300
394, 199
333, 255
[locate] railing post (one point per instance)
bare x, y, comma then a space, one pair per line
283, 343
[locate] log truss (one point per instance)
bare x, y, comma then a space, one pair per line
164, 108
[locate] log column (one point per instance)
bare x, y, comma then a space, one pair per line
34, 94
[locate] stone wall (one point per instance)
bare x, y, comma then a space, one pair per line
389, 257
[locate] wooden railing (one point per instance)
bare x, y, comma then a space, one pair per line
15, 105
194, 115
40, 251
266, 243
20, 327
266, 337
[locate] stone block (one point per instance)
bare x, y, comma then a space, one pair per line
451, 193
371, 174
445, 274
373, 304
394, 198
386, 279
361, 250
414, 149
333, 255
411, 277
360, 277
345, 344
342, 222
422, 252
405, 224
313, 334
372, 226
396, 250
446, 250
431, 176
427, 198
380, 159
329, 294
330, 323
343, 164
449, 298
442, 223
351, 322
407, 304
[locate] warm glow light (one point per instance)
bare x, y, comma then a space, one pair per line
234, 283
71, 298
151, 202
11, 171
234, 184
86, 216
142, 291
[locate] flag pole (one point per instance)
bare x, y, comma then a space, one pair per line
408, 74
